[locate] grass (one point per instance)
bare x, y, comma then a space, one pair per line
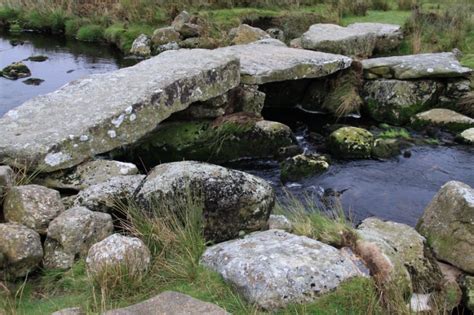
90, 33
393, 133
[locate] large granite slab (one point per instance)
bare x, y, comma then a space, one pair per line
101, 112
270, 60
358, 39
432, 65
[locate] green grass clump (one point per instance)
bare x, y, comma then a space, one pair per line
131, 33
90, 33
8, 15
53, 22
395, 134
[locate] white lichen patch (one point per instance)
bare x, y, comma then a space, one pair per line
53, 159
112, 134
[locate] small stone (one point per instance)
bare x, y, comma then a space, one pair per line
170, 303
164, 35
301, 166
420, 303
33, 81
108, 195
180, 19
141, 46
276, 33
15, 71
245, 34
188, 30
21, 249
33, 206
467, 136
165, 47
385, 148
7, 180
272, 269
38, 58
72, 233
70, 311
116, 252
468, 288
351, 143
279, 222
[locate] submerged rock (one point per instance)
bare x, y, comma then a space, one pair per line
274, 268
33, 206
270, 60
38, 58
16, 70
447, 224
170, 303
110, 194
87, 174
21, 249
351, 143
101, 112
117, 252
233, 201
72, 233
358, 39
397, 101
420, 66
445, 118
412, 267
141, 46
385, 148
246, 34
232, 137
301, 166
33, 81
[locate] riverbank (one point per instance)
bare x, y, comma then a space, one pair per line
433, 27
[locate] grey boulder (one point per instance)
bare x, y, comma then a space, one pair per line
33, 206
274, 268
141, 46
71, 235
245, 34
445, 118
233, 201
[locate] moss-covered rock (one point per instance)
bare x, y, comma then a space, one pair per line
444, 118
300, 166
385, 148
350, 143
15, 71
228, 138
468, 290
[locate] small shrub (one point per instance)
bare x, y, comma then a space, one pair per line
90, 33
381, 5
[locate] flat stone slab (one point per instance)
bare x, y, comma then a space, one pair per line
358, 39
101, 112
170, 303
434, 65
270, 60
445, 118
274, 268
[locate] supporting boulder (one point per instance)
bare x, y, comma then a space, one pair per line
101, 112
274, 268
447, 224
233, 201
444, 118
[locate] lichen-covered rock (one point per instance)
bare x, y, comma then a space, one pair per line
164, 35
87, 174
117, 252
358, 39
15, 71
233, 201
101, 112
33, 206
276, 33
70, 311
188, 30
385, 148
7, 180
180, 19
21, 249
448, 225
301, 165
450, 292
199, 42
412, 264
420, 66
467, 136
232, 137
141, 46
71, 235
274, 268
108, 195
351, 143
245, 34
170, 303
279, 222
270, 60
468, 288
249, 99
397, 101
444, 118
162, 48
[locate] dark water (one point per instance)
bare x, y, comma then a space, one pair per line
67, 60
398, 189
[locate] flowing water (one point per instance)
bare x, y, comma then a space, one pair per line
398, 189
